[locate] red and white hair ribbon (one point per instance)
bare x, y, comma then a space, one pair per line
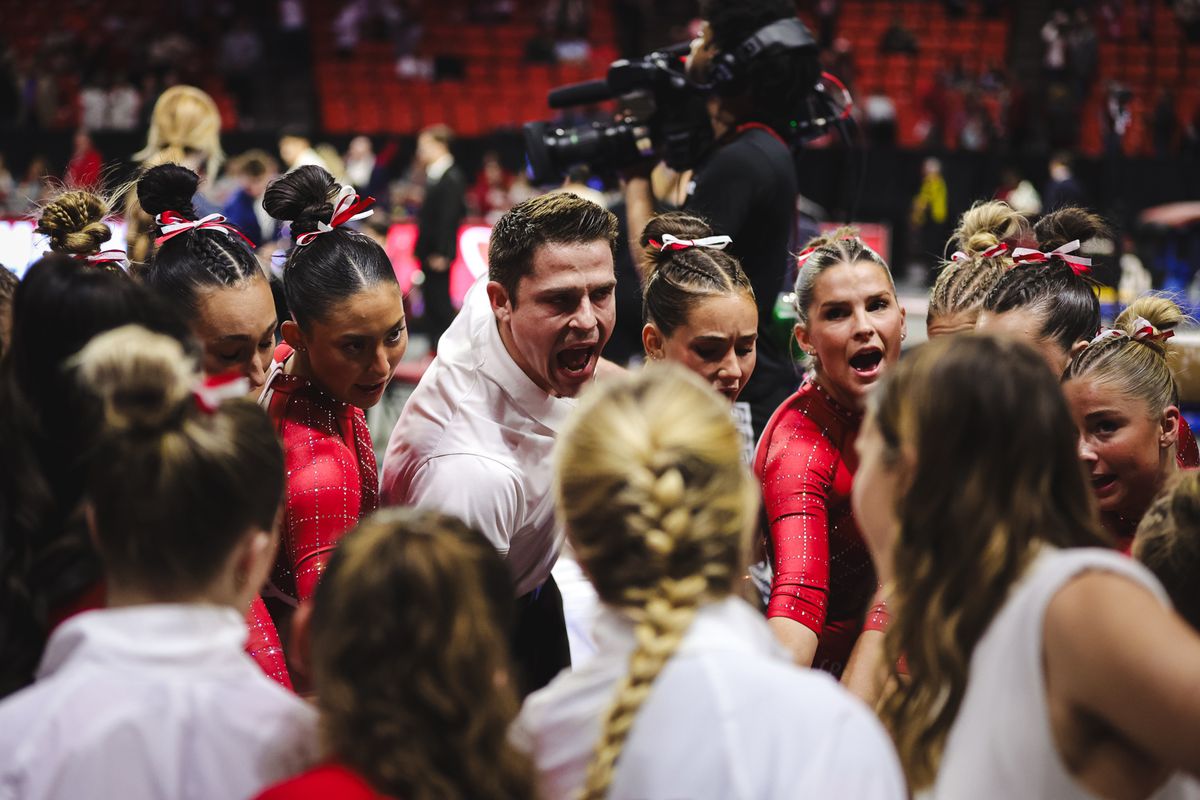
172, 223
1143, 330
670, 242
346, 208
993, 251
803, 255
1078, 264
106, 257
215, 390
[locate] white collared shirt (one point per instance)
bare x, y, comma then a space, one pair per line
475, 439
154, 701
728, 718
438, 168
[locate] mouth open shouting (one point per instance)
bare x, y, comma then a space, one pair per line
575, 364
866, 363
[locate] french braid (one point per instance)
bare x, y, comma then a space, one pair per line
658, 507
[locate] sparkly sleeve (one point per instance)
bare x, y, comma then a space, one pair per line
264, 646
877, 618
796, 486
1187, 453
324, 499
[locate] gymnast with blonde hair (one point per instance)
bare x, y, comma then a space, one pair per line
689, 695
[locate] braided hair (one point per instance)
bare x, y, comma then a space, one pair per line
74, 223
196, 259
658, 508
840, 246
1065, 301
678, 279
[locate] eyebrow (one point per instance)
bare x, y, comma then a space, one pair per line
720, 339
400, 323
875, 296
1105, 412
553, 290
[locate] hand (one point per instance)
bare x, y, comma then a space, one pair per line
437, 263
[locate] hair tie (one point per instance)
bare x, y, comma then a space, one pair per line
803, 255
104, 258
1143, 330
995, 250
347, 207
1078, 264
211, 392
670, 242
172, 223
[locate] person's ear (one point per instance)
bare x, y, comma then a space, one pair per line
294, 336
653, 342
254, 558
502, 304
903, 322
802, 338
1169, 427
1076, 349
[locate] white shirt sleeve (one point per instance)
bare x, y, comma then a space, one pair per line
480, 491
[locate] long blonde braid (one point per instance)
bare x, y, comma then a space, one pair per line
658, 507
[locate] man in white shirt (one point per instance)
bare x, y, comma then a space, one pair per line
475, 438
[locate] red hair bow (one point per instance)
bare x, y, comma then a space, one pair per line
217, 389
172, 223
1078, 264
993, 251
346, 208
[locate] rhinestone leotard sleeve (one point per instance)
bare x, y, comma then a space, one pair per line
823, 572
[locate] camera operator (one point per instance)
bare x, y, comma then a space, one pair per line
745, 185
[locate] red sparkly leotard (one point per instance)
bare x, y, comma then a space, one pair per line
331, 476
823, 578
1187, 453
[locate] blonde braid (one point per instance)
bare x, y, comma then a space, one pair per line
658, 507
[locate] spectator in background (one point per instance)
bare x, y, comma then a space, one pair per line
360, 162
438, 220
1117, 117
879, 118
297, 150
488, 196
8, 186
253, 169
33, 189
94, 103
898, 38
929, 211
124, 104
1019, 193
1082, 51
85, 169
1063, 190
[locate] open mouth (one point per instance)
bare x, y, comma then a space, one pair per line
867, 361
1103, 483
575, 360
370, 388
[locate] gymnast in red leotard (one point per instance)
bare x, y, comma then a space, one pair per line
852, 324
345, 336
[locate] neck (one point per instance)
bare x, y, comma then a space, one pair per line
125, 596
845, 400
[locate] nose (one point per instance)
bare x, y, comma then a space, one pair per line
584, 318
256, 370
862, 324
1086, 453
730, 366
381, 364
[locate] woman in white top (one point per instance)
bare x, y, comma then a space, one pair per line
689, 694
153, 696
1036, 666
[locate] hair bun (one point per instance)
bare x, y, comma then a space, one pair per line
677, 223
1068, 224
74, 221
143, 380
168, 187
302, 197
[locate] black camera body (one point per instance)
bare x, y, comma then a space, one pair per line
662, 111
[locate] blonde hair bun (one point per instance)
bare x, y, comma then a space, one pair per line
74, 221
144, 380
